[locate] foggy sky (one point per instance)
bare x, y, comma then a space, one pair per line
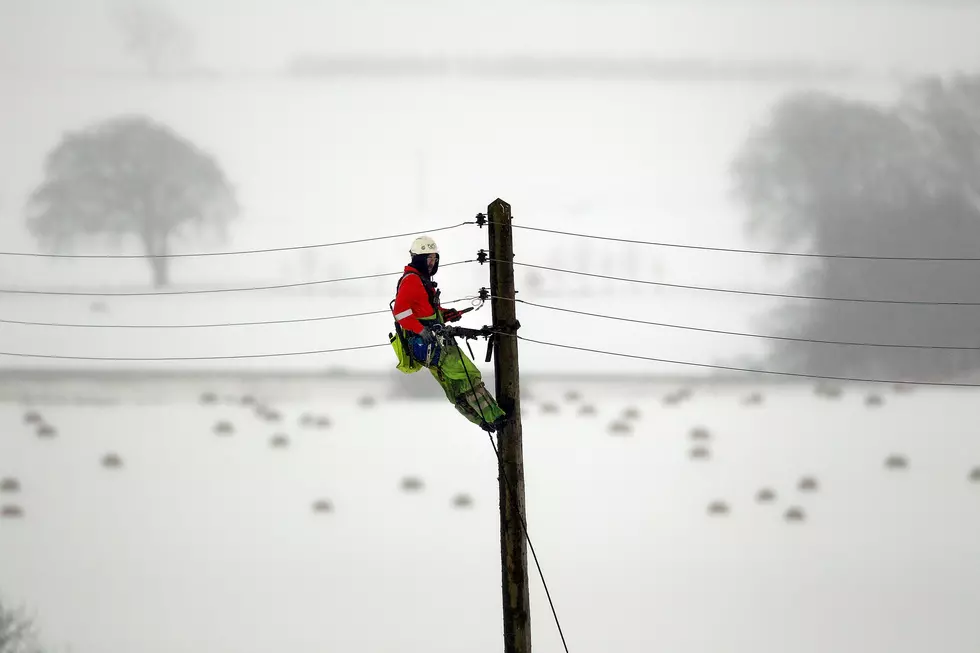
70, 35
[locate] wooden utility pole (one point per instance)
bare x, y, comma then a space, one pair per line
513, 548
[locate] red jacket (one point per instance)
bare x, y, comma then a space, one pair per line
412, 302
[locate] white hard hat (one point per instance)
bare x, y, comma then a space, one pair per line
423, 245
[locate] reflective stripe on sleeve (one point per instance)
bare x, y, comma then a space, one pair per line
403, 314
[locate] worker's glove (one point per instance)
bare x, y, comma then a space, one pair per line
428, 334
452, 315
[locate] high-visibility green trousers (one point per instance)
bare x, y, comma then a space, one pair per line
464, 387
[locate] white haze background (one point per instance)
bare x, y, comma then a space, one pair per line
202, 543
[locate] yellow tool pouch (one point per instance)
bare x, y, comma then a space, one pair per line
406, 363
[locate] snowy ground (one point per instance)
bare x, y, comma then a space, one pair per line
204, 542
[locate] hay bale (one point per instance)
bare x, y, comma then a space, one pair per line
873, 399
208, 398
462, 500
631, 413
828, 390
549, 408
249, 400
33, 417
279, 441
11, 511
9, 485
224, 427
678, 396
896, 461
111, 461
753, 399
765, 495
794, 514
586, 410
807, 484
718, 507
573, 396
620, 427
700, 453
269, 414
974, 475
322, 506
412, 484
366, 401
699, 433
322, 422
46, 431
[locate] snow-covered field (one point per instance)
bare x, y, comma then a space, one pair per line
209, 542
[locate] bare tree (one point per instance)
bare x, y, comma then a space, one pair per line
17, 633
835, 176
130, 176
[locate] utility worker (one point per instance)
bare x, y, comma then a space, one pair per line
418, 341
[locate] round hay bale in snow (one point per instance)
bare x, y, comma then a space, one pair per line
46, 431
269, 414
411, 484
873, 399
322, 506
974, 475
700, 433
366, 401
572, 396
248, 400
224, 427
828, 390
619, 427
632, 413
586, 409
10, 485
765, 495
700, 453
279, 441
549, 408
111, 461
896, 461
322, 422
794, 514
753, 399
718, 508
462, 500
33, 417
208, 398
807, 484
307, 419
11, 511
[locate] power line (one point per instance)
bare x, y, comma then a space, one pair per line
193, 358
206, 325
739, 292
189, 326
738, 333
748, 251
212, 290
291, 248
740, 369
